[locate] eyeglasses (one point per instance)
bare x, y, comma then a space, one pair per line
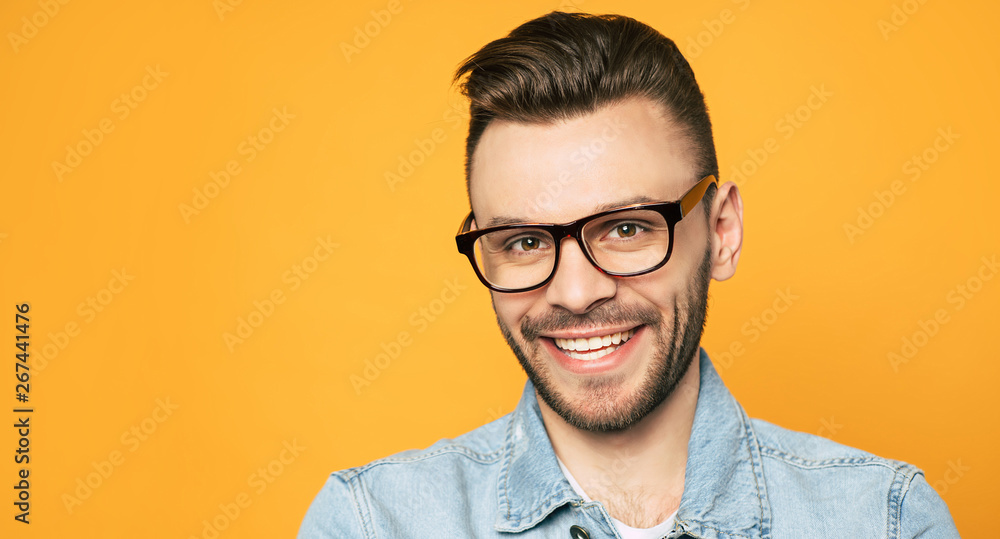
627, 241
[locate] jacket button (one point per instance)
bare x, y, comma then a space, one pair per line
577, 532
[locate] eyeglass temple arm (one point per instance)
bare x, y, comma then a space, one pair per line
694, 196
688, 202
466, 224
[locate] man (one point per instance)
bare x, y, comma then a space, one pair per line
597, 222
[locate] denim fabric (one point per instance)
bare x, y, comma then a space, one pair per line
744, 479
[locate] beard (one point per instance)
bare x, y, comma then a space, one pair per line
674, 347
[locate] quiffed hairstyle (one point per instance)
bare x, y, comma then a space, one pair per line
563, 65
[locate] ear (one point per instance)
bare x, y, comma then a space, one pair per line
726, 229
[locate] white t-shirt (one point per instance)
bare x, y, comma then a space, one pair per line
626, 531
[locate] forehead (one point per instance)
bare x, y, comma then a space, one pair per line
557, 172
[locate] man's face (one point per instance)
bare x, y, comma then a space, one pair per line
556, 173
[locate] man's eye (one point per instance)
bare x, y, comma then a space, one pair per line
526, 244
624, 230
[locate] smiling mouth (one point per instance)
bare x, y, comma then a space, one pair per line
593, 347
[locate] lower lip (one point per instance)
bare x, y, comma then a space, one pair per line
594, 366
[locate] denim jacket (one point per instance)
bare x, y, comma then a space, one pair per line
745, 478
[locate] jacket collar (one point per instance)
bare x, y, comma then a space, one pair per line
531, 485
724, 491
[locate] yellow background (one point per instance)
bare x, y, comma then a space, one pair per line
821, 366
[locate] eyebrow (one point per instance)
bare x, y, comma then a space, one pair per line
501, 220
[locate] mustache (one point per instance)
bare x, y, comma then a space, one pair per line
605, 315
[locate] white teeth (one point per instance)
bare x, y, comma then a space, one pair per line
588, 356
594, 347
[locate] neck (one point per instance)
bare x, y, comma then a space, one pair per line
638, 473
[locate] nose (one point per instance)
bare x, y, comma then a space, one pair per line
577, 285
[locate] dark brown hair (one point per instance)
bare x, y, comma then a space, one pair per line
563, 65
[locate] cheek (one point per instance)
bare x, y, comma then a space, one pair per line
690, 246
512, 308
660, 288
657, 294
691, 237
